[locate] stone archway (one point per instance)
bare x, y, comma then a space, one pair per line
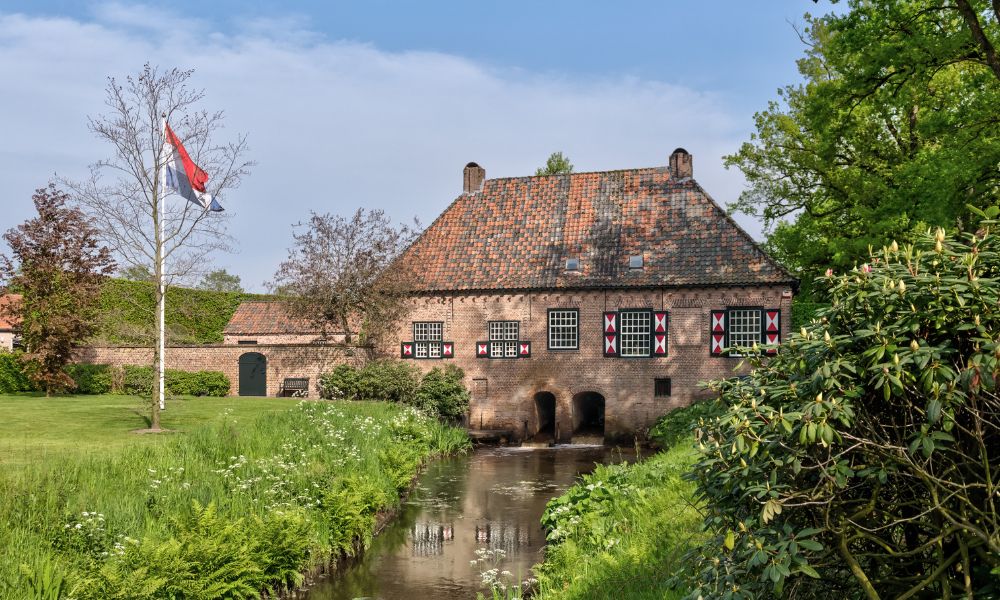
253, 374
588, 415
545, 416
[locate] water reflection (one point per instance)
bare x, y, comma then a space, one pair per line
491, 500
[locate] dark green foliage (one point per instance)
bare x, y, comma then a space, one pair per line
12, 376
891, 130
90, 379
862, 460
139, 381
555, 164
677, 425
442, 391
128, 310
339, 384
387, 381
804, 311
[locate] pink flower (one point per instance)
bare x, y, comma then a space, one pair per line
829, 272
866, 268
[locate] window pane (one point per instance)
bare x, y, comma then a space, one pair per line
633, 332
427, 332
744, 327
563, 329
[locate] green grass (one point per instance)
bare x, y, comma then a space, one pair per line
245, 495
621, 531
35, 429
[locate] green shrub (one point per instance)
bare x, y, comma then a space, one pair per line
387, 381
339, 384
861, 461
678, 424
139, 381
90, 379
804, 311
442, 392
12, 377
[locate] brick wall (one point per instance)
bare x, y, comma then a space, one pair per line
281, 338
504, 389
6, 340
283, 360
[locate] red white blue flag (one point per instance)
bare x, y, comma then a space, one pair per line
182, 175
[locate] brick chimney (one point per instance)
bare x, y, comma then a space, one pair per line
472, 178
680, 164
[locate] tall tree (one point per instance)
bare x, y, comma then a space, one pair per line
126, 195
57, 264
220, 280
556, 164
340, 273
895, 129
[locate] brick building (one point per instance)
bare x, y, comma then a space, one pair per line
8, 325
588, 303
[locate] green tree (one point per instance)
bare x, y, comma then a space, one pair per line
894, 129
136, 273
555, 165
220, 281
58, 266
863, 459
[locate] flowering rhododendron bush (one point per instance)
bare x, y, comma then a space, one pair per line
864, 459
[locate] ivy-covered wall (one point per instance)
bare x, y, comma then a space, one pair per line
128, 313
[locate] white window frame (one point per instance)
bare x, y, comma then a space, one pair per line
635, 333
563, 329
427, 337
744, 326
503, 338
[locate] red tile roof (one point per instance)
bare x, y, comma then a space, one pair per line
516, 233
255, 317
8, 323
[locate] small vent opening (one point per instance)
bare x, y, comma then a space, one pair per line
635, 262
572, 264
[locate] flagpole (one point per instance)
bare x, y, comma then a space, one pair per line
161, 317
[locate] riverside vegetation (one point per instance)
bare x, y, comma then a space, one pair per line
237, 506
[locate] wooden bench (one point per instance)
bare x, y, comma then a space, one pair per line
297, 387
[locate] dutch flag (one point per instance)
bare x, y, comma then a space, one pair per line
182, 175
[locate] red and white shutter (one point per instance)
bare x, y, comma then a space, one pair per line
610, 334
482, 349
659, 333
406, 350
447, 349
772, 329
524, 349
717, 333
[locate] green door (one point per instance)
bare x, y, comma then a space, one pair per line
253, 374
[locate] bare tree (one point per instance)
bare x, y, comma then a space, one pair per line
126, 196
341, 273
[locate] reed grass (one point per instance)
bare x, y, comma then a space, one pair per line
621, 531
113, 514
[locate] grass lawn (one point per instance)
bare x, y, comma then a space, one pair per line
34, 428
242, 497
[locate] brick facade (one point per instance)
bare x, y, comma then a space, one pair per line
504, 390
283, 360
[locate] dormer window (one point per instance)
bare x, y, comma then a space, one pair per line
635, 262
572, 264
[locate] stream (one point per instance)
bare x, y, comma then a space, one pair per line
488, 501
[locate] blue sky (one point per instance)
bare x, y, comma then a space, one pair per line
380, 104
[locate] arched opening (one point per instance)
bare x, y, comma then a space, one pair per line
545, 416
588, 414
253, 374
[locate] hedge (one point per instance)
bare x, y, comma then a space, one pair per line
441, 391
103, 379
127, 310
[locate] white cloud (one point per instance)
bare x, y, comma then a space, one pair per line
336, 125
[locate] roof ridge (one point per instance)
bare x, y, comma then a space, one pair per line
572, 173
